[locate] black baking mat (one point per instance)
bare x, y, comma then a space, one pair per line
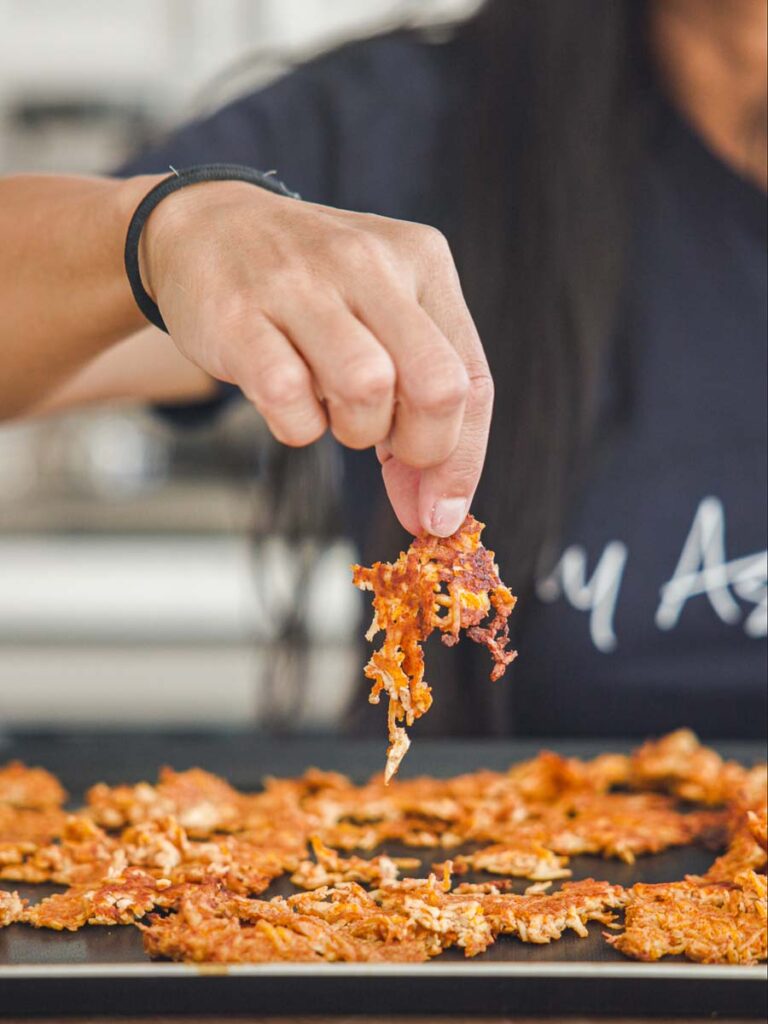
104, 970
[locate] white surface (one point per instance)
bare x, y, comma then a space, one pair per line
93, 588
167, 630
151, 589
128, 686
164, 685
509, 969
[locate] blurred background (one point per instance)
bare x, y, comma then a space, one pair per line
150, 576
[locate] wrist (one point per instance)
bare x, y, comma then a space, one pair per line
163, 223
133, 192
171, 219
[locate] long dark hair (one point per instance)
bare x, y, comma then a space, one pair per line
555, 111
556, 101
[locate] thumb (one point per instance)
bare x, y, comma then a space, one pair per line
446, 490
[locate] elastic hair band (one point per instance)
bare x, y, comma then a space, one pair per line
174, 182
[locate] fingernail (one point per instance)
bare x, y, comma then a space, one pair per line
447, 516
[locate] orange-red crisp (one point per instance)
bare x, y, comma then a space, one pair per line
680, 764
712, 922
33, 788
202, 802
330, 868
344, 924
80, 853
11, 907
121, 899
445, 584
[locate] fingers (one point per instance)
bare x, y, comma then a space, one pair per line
432, 382
445, 491
394, 360
325, 317
354, 373
433, 457
402, 485
437, 499
271, 373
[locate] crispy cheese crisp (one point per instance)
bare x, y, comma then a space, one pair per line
711, 922
25, 825
524, 859
445, 584
746, 849
32, 788
11, 907
329, 868
682, 765
122, 899
83, 852
211, 925
202, 802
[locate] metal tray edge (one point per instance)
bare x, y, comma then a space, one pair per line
679, 971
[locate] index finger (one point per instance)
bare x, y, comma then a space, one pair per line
446, 490
437, 499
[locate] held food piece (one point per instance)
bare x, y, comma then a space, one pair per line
446, 584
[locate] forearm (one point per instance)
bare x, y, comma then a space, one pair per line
63, 290
145, 368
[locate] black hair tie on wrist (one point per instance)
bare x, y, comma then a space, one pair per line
175, 181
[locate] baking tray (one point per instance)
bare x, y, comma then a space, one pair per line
104, 970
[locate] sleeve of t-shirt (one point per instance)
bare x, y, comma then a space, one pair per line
355, 128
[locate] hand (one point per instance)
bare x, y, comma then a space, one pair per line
328, 318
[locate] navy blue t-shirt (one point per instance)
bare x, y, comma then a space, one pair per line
655, 615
